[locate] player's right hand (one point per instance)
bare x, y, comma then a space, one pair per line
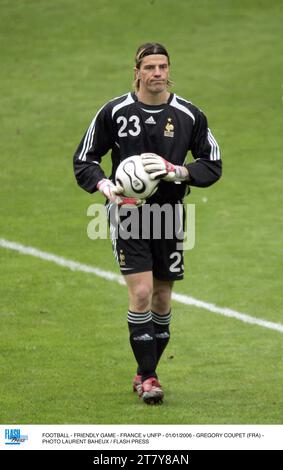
114, 194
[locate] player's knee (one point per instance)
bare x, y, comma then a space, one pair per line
161, 301
142, 296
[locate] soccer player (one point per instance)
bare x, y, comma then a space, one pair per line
161, 127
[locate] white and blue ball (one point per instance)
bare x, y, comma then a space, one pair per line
132, 176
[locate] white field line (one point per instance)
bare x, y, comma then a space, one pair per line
109, 276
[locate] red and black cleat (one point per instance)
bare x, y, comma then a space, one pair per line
151, 391
137, 383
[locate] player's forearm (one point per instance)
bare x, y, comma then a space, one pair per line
204, 172
88, 175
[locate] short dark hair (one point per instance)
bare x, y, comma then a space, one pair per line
149, 48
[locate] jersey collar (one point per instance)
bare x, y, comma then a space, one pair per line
151, 106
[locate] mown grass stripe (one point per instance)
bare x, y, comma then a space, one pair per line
108, 275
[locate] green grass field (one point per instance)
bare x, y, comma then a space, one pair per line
64, 351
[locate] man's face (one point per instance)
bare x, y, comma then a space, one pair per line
153, 73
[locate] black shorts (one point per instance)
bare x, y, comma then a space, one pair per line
149, 239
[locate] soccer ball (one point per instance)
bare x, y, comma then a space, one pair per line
132, 176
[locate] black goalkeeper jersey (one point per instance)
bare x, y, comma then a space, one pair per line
129, 127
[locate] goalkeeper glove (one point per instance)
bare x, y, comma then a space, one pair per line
158, 167
114, 194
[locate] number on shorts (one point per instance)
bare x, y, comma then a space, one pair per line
175, 267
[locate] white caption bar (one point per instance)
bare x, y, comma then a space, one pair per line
141, 437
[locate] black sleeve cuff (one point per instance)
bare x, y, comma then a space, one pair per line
204, 172
88, 176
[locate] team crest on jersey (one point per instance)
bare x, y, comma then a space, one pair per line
169, 128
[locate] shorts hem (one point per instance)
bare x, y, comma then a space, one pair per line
135, 271
168, 278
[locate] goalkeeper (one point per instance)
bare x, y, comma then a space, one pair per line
163, 128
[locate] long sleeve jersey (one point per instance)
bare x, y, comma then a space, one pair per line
129, 127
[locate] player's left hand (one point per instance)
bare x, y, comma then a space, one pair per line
158, 168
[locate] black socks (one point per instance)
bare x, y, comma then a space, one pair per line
162, 334
143, 342
149, 336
